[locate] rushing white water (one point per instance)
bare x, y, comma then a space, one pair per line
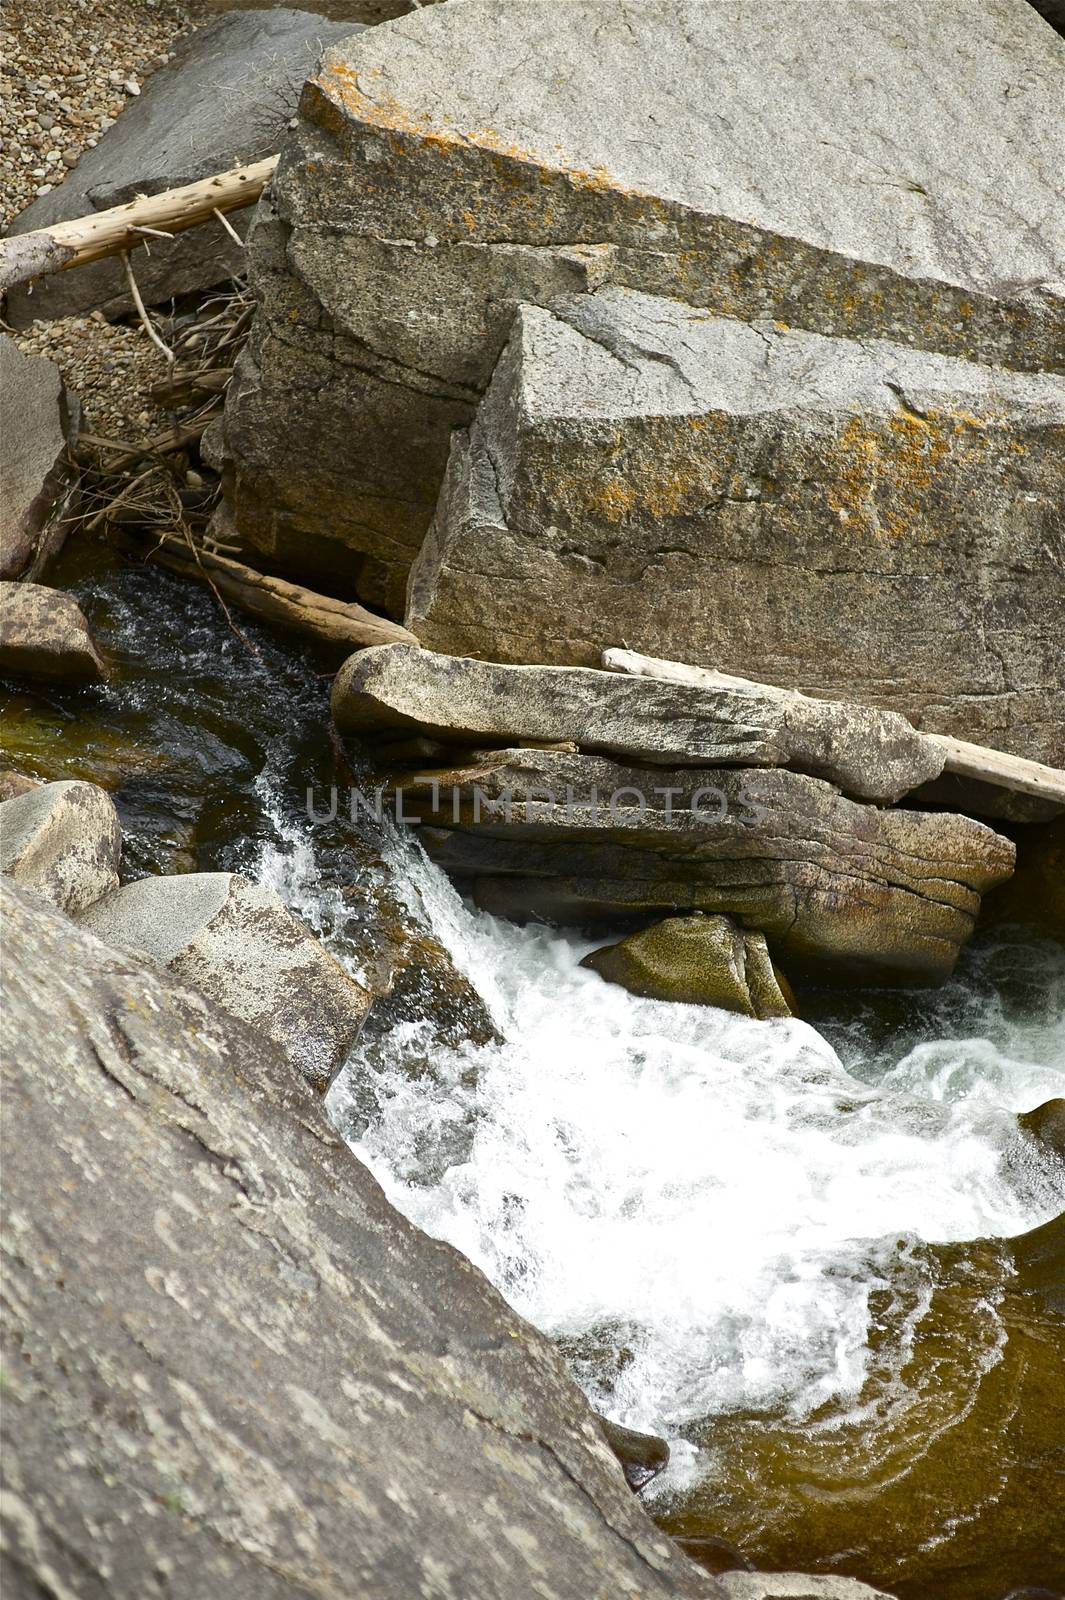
717, 1198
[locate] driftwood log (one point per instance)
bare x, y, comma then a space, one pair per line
122, 228
342, 626
961, 759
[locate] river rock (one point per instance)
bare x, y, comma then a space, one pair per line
1046, 1125
240, 945
795, 1586
742, 158
224, 99
856, 518
228, 1360
44, 634
888, 896
39, 419
699, 961
642, 1455
63, 841
392, 689
13, 783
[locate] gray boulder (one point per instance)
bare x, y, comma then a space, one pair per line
230, 1366
794, 1586
240, 945
859, 519
224, 99
39, 419
888, 896
366, 11
743, 158
63, 841
390, 689
44, 634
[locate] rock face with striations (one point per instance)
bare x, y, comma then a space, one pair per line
230, 1366
739, 158
223, 100
853, 517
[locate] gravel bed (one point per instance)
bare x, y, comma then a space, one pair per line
67, 70
110, 367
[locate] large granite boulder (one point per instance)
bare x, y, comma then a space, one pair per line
63, 841
224, 99
855, 518
39, 419
230, 1367
863, 170
239, 944
700, 961
396, 689
44, 635
888, 896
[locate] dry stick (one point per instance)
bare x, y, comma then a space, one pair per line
142, 313
214, 589
113, 232
228, 226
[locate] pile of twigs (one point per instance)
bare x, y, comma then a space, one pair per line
162, 485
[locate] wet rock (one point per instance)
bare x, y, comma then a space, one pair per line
39, 424
701, 961
642, 1455
468, 159
859, 519
1035, 897
936, 1477
795, 1586
1046, 1125
888, 896
223, 100
63, 841
395, 688
44, 635
13, 783
240, 945
266, 1358
714, 1555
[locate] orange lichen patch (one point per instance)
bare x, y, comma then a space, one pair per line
882, 476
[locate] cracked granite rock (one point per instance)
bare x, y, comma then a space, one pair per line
239, 944
853, 518
62, 840
885, 896
39, 419
392, 690
230, 1367
743, 158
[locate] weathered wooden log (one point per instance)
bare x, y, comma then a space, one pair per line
336, 623
122, 228
963, 759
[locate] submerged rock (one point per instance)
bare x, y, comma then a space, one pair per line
938, 1477
740, 158
888, 896
861, 519
229, 1361
392, 689
222, 100
44, 634
240, 945
63, 841
702, 961
39, 419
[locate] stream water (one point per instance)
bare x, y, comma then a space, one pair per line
735, 1230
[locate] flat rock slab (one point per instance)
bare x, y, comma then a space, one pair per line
44, 634
240, 945
38, 424
742, 158
223, 101
860, 519
888, 896
63, 841
229, 1360
394, 688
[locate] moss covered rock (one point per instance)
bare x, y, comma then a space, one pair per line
703, 961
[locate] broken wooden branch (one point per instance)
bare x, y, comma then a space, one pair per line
123, 228
961, 759
332, 622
